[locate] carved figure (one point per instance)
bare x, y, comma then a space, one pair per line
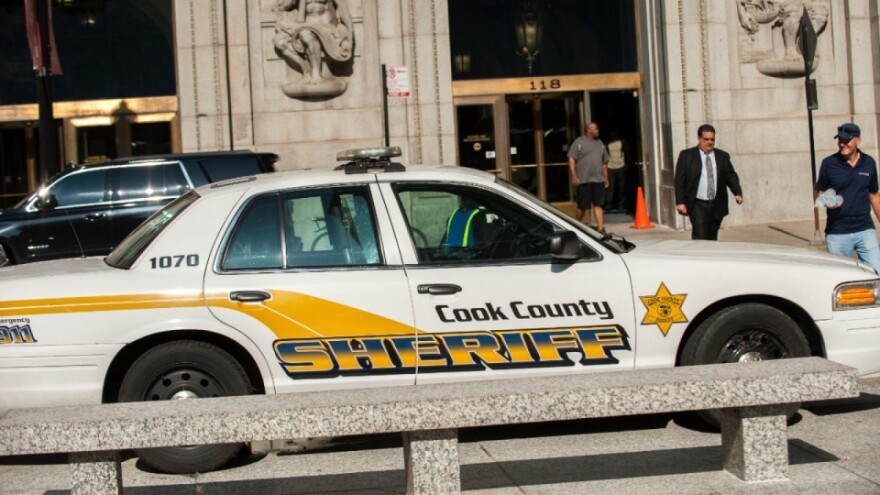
784, 15
312, 35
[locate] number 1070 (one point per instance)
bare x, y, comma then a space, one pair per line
175, 261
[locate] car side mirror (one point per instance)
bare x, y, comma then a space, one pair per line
47, 202
565, 246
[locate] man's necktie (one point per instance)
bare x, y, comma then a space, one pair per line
710, 179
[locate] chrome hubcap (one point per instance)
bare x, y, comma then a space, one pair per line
184, 384
752, 345
184, 394
749, 357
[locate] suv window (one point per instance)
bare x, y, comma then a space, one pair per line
305, 229
83, 188
218, 168
154, 181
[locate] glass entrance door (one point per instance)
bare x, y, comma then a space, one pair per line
541, 129
479, 145
523, 138
15, 183
617, 114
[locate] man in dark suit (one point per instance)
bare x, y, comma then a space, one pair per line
703, 174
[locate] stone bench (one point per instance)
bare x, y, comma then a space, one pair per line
752, 396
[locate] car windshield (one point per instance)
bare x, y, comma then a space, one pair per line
613, 242
128, 251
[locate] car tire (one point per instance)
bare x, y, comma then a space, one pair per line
4, 258
182, 370
742, 333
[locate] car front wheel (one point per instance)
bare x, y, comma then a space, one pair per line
744, 333
185, 370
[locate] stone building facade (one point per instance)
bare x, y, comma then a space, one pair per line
231, 83
699, 61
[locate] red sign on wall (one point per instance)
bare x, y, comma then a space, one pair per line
397, 82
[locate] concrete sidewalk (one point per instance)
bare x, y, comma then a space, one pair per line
795, 233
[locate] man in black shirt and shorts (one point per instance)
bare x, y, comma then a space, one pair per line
588, 163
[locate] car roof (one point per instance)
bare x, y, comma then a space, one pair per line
316, 177
174, 157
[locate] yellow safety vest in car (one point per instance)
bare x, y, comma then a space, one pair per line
459, 231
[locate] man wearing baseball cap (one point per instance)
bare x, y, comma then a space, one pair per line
853, 175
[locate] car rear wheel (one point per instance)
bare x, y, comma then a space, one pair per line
185, 370
4, 258
744, 333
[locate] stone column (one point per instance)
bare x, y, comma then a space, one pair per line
431, 459
95, 473
202, 76
754, 444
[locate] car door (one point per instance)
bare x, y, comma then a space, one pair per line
314, 277
77, 224
489, 299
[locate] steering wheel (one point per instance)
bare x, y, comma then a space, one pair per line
532, 241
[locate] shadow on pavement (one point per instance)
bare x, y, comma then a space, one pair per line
492, 475
864, 402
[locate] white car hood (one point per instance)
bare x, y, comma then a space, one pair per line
743, 252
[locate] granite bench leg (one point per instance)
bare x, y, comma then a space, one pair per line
754, 442
431, 459
96, 473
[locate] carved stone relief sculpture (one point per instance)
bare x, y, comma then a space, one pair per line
784, 17
316, 39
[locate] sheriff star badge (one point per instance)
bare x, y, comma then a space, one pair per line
664, 309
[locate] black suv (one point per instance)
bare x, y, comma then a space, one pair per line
86, 210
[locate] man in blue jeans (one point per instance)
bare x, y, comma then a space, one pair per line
853, 175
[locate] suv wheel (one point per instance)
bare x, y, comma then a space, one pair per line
4, 258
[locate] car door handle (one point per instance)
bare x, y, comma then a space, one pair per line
438, 289
249, 296
95, 216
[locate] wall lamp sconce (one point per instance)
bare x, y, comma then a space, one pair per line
529, 27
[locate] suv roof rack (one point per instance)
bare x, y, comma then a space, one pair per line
363, 160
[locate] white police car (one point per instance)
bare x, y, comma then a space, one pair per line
312, 280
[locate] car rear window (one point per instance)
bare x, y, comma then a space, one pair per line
130, 249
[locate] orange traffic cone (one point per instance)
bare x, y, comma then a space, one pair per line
642, 220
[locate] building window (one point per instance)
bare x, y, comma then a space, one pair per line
107, 48
496, 39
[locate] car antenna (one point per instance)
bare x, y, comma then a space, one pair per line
82, 252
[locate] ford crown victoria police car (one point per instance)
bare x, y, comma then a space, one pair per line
331, 279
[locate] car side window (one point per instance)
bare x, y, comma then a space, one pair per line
82, 188
256, 239
330, 227
324, 227
153, 181
460, 224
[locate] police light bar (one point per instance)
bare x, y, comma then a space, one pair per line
363, 160
368, 154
